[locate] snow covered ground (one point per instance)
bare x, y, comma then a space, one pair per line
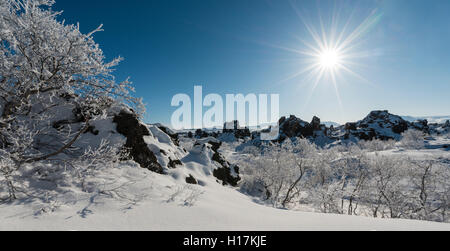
142, 200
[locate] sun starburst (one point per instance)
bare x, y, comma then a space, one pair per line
331, 51
329, 59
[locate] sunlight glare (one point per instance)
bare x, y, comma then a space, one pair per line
329, 59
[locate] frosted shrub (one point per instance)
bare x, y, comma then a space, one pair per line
7, 172
385, 196
251, 150
430, 191
377, 145
32, 181
278, 172
186, 195
85, 167
412, 139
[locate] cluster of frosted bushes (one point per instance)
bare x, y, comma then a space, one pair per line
377, 145
349, 180
45, 180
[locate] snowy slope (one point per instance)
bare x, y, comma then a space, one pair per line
164, 208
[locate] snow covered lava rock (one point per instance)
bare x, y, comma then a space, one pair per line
172, 134
377, 125
149, 145
440, 129
223, 170
128, 125
446, 126
295, 127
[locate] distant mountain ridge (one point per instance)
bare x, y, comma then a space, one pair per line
331, 123
430, 119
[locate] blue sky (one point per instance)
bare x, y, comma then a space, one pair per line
247, 46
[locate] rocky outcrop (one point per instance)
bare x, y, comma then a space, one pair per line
224, 174
233, 127
446, 126
228, 128
421, 125
191, 180
295, 127
228, 173
174, 163
315, 124
440, 128
128, 124
200, 134
206, 152
215, 145
174, 136
378, 125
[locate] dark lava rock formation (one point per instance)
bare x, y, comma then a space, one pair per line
295, 127
378, 125
128, 124
224, 173
191, 180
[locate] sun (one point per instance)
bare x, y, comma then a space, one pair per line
331, 50
329, 59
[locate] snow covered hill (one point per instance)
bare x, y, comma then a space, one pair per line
161, 202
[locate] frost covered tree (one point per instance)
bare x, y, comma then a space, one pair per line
413, 139
301, 156
354, 174
280, 170
430, 190
387, 191
377, 145
49, 68
326, 183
